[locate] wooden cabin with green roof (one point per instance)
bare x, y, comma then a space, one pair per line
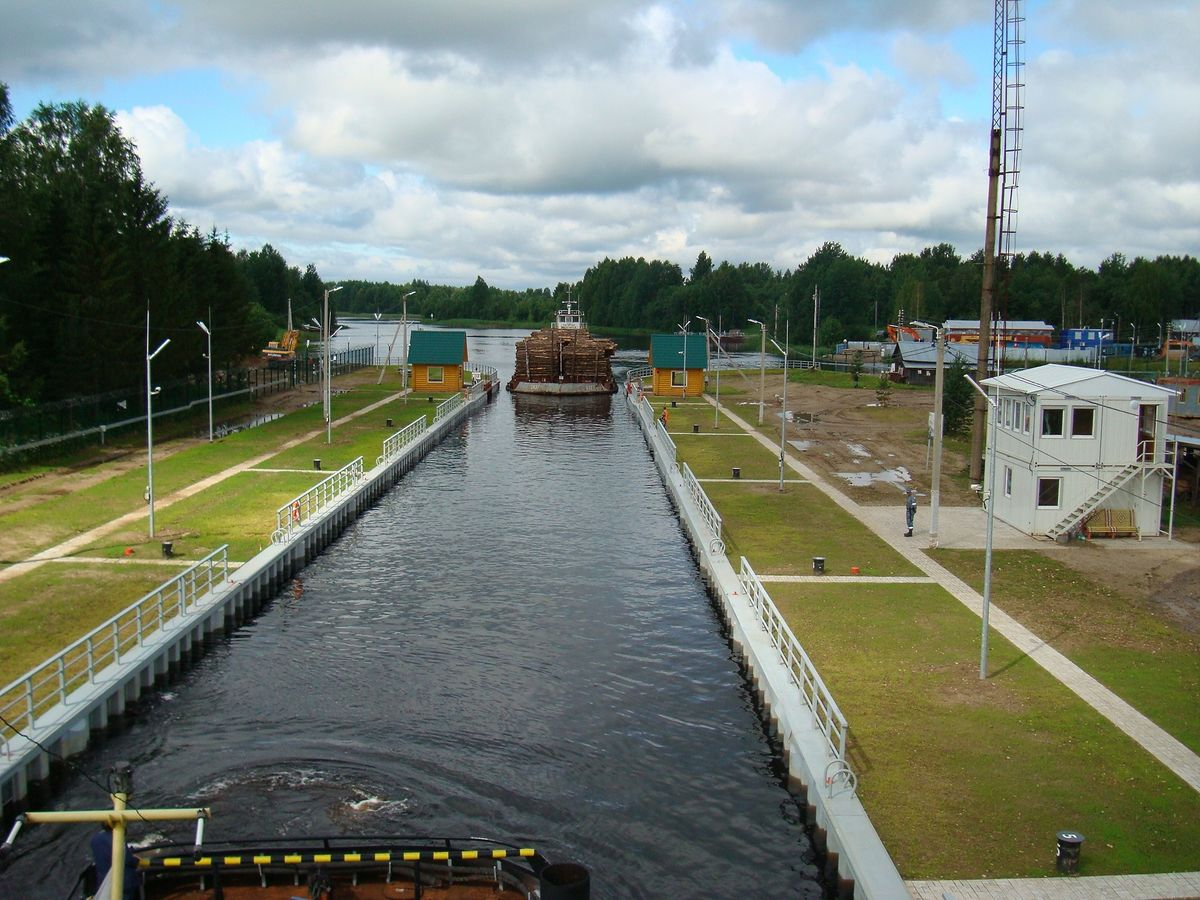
673, 375
438, 359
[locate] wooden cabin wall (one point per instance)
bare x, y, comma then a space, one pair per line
421, 382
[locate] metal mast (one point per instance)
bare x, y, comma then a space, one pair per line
1004, 150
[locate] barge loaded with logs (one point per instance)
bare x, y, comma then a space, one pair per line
564, 359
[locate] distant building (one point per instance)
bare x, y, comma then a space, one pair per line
1083, 338
673, 375
1004, 332
438, 359
1071, 442
915, 362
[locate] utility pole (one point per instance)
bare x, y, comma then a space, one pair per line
987, 303
935, 492
816, 319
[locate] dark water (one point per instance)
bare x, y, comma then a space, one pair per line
515, 643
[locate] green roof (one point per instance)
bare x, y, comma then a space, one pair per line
437, 348
666, 351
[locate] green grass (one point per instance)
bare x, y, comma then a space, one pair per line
47, 609
966, 778
779, 533
710, 457
1124, 643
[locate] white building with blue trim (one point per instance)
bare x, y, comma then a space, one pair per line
1071, 441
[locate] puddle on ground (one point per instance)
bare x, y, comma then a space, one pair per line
800, 445
897, 476
224, 429
858, 450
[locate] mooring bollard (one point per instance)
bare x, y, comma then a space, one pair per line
737, 473
565, 881
674, 404
317, 464
1069, 843
168, 549
818, 565
389, 423
695, 429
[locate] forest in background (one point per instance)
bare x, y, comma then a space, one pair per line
92, 250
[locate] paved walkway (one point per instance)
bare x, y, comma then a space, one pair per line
78, 542
1100, 887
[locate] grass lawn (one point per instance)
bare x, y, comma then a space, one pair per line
1125, 644
780, 532
972, 779
43, 611
715, 457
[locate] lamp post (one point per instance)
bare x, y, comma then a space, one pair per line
935, 490
991, 519
816, 319
783, 412
717, 368
378, 316
208, 356
762, 368
150, 392
684, 354
404, 347
328, 393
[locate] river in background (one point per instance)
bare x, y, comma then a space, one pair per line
514, 643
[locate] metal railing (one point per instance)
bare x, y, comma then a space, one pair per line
45, 686
483, 376
712, 518
293, 515
447, 408
394, 444
828, 717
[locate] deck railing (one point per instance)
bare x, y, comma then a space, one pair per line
826, 714
447, 408
293, 515
48, 684
712, 518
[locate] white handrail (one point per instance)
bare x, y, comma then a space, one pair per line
394, 444
292, 516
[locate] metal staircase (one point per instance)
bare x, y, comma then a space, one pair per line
1102, 493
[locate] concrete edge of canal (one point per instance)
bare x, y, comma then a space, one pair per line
29, 759
857, 863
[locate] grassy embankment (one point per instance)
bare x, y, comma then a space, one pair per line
44, 609
967, 778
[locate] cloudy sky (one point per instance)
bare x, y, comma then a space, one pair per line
524, 140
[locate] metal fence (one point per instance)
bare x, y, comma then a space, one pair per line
29, 428
294, 514
47, 685
712, 518
447, 408
394, 444
828, 717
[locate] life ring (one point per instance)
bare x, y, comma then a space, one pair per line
295, 510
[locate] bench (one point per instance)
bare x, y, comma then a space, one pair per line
1112, 523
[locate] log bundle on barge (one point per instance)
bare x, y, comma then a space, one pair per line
564, 359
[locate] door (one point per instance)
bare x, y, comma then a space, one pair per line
1147, 430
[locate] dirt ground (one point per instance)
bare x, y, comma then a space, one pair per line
845, 431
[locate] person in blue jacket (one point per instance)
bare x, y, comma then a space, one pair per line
101, 845
910, 510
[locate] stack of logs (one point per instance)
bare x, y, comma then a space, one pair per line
566, 356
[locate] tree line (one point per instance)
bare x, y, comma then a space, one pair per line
91, 250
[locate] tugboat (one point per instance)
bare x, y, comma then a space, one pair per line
564, 359
364, 867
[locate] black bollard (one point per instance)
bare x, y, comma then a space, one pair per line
168, 549
389, 423
818, 565
737, 473
1069, 843
565, 881
317, 464
695, 429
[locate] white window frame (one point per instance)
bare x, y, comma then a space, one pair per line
1008, 481
1038, 496
441, 374
679, 378
1090, 434
1062, 423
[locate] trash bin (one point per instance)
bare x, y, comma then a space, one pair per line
1069, 843
565, 881
695, 429
389, 423
674, 404
317, 464
818, 565
168, 549
737, 473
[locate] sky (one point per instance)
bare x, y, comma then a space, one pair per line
526, 140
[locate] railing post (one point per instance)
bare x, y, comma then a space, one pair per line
62, 681
91, 660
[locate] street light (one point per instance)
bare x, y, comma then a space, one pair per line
378, 316
783, 412
991, 518
717, 344
684, 328
935, 490
150, 392
404, 346
208, 356
762, 368
328, 393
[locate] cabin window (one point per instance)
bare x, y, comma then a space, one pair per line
1052, 421
1047, 492
678, 379
1083, 421
1008, 481
1008, 413
435, 374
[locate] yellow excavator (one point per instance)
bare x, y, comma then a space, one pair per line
283, 350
